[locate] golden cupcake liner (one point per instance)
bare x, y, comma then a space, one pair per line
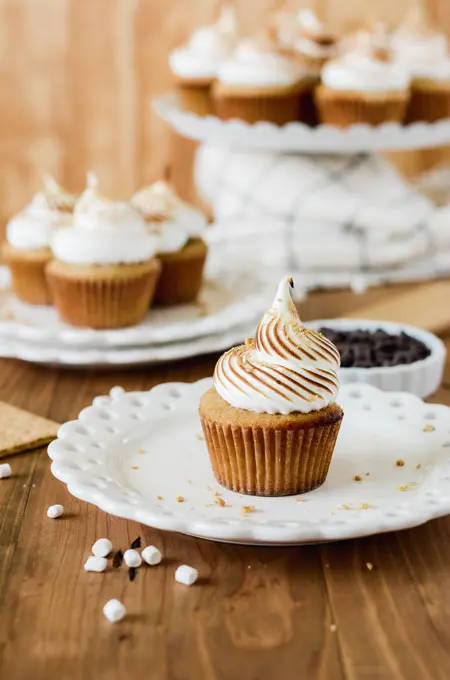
343, 109
268, 461
28, 280
103, 303
273, 108
428, 103
181, 274
195, 97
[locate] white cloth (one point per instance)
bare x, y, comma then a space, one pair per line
318, 212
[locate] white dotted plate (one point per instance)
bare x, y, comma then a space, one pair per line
141, 456
228, 299
300, 137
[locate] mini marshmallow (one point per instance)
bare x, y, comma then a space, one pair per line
151, 555
114, 611
102, 547
132, 558
95, 564
186, 575
5, 471
55, 511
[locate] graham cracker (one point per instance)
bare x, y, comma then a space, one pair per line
22, 431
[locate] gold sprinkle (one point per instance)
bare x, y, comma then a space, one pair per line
429, 428
135, 467
160, 498
180, 499
247, 508
357, 478
406, 487
418, 466
345, 507
199, 436
369, 566
333, 628
220, 501
400, 463
365, 506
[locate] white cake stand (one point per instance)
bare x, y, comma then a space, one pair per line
225, 175
297, 137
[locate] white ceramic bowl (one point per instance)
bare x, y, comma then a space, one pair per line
421, 378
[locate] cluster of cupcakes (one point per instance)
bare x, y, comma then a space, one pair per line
103, 262
298, 70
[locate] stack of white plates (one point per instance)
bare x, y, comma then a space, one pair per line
228, 310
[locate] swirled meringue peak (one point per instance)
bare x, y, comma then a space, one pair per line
207, 47
172, 220
287, 368
49, 210
104, 232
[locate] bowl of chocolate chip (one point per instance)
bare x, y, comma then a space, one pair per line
393, 357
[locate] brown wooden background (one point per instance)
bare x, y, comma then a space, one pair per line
77, 78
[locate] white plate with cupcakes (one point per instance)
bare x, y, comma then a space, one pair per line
94, 281
269, 451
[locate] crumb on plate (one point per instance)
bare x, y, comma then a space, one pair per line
357, 478
400, 463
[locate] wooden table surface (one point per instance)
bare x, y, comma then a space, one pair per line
310, 612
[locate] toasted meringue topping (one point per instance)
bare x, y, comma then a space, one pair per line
287, 368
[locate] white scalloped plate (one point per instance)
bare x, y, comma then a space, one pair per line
226, 301
94, 357
133, 455
300, 137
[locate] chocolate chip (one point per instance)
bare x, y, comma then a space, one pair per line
369, 349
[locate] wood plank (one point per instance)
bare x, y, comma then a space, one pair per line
425, 306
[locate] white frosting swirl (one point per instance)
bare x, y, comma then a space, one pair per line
171, 220
366, 68
287, 369
34, 226
304, 33
207, 48
422, 50
104, 232
257, 63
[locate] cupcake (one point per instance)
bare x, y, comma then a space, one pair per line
305, 37
363, 85
423, 51
194, 65
177, 228
104, 272
259, 83
271, 421
26, 250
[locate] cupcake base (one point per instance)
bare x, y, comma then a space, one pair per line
268, 455
277, 105
27, 268
195, 95
112, 296
430, 101
343, 108
181, 274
